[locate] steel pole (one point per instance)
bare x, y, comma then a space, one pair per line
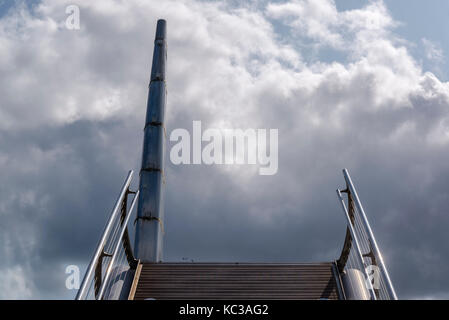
150, 211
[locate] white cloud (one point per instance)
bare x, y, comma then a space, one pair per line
96, 73
321, 21
434, 52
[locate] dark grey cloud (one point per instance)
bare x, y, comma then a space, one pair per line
73, 105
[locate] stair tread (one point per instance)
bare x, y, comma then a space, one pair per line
204, 281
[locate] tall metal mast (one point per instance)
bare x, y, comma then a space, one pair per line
150, 210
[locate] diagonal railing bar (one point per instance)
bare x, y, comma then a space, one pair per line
115, 233
366, 254
123, 229
372, 240
356, 245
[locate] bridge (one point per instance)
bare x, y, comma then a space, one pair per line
120, 271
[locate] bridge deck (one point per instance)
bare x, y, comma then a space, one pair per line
236, 281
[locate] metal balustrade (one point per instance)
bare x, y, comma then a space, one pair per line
113, 257
112, 268
360, 252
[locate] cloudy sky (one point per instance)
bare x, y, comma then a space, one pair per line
356, 84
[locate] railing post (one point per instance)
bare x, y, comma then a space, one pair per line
370, 234
82, 292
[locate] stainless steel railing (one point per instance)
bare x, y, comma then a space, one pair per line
113, 257
360, 251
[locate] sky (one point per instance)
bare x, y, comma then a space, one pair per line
361, 85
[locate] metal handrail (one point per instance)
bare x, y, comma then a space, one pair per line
83, 291
370, 234
355, 241
116, 249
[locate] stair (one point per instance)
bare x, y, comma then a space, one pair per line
235, 281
